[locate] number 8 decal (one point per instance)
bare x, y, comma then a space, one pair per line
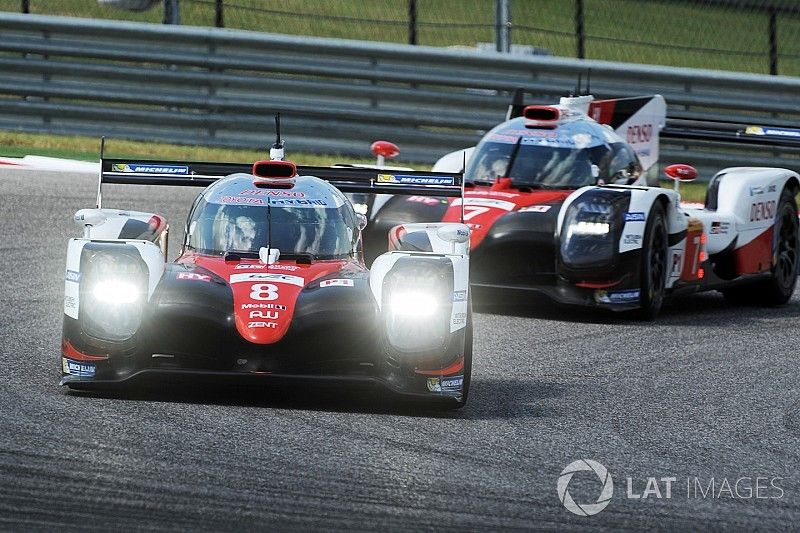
264, 291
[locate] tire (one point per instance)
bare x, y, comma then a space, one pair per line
778, 288
653, 267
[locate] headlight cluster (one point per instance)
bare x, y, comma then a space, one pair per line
417, 304
589, 233
113, 291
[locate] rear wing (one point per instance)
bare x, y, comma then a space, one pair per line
346, 179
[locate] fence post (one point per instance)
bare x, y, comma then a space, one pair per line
502, 21
412, 21
172, 12
580, 34
773, 41
25, 6
219, 18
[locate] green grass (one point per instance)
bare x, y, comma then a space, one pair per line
637, 31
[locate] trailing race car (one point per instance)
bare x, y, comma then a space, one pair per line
270, 284
557, 203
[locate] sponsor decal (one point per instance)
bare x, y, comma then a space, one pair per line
677, 263
147, 168
536, 208
193, 276
267, 276
459, 319
427, 200
70, 302
259, 266
241, 200
756, 191
632, 239
400, 179
265, 315
445, 384
635, 217
473, 226
336, 283
459, 296
720, 228
279, 307
73, 276
272, 192
762, 211
297, 202
616, 297
778, 132
271, 325
78, 368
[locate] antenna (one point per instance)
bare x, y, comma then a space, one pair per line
99, 201
463, 169
276, 151
517, 104
577, 91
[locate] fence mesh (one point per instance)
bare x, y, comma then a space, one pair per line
744, 35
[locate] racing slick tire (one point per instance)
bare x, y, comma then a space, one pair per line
778, 288
653, 269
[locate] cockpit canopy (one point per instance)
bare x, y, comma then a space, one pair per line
572, 155
308, 217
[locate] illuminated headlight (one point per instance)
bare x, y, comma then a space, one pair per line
591, 228
113, 291
417, 304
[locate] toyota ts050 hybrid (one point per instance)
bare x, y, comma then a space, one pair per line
270, 284
557, 202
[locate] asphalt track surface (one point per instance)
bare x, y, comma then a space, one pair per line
708, 390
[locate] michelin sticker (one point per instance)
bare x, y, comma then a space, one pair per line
399, 179
145, 168
76, 368
446, 384
616, 297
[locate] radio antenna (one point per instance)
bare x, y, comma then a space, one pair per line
276, 152
99, 200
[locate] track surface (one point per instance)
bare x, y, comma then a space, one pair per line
708, 390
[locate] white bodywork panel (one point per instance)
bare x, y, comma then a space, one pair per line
456, 252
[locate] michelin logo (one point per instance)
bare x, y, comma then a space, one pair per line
391, 179
142, 168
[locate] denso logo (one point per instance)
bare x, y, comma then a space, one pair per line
762, 211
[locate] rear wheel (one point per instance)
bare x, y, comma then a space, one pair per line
653, 270
779, 287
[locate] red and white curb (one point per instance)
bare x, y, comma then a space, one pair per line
48, 164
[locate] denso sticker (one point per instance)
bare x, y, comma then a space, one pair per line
193, 276
268, 276
73, 276
445, 384
399, 179
635, 217
146, 168
78, 368
336, 283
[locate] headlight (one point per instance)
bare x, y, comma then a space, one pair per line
417, 304
591, 227
113, 291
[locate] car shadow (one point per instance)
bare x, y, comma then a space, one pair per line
490, 398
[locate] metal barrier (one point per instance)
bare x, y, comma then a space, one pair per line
221, 87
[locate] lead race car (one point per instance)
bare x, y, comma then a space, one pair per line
557, 203
270, 284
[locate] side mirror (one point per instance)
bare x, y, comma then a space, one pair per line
680, 172
361, 221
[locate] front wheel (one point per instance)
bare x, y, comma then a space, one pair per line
653, 269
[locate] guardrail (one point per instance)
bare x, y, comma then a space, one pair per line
221, 87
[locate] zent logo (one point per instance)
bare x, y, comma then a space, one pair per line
585, 509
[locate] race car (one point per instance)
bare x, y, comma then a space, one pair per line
270, 286
557, 203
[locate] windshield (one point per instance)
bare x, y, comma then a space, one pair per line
323, 232
538, 166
